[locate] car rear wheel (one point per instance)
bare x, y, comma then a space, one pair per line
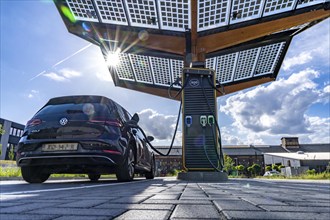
34, 174
94, 177
151, 174
126, 170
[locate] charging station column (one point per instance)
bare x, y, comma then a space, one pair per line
200, 139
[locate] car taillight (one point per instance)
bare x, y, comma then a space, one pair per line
111, 152
34, 122
106, 122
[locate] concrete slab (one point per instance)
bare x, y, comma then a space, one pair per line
168, 198
195, 212
275, 215
25, 216
145, 214
203, 176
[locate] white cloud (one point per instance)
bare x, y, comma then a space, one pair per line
55, 77
278, 109
32, 93
64, 74
104, 76
326, 89
227, 136
311, 46
302, 58
158, 125
320, 128
68, 73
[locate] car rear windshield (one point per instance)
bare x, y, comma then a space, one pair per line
94, 111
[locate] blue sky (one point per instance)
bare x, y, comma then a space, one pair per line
34, 41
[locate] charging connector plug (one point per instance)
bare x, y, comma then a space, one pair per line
188, 121
203, 120
210, 120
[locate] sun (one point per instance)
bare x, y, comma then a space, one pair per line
113, 58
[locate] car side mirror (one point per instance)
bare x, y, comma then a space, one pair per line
133, 123
135, 118
150, 138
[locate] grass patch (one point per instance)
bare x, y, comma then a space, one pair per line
237, 176
10, 172
16, 172
8, 162
316, 176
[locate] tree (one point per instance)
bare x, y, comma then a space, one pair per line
249, 169
268, 168
11, 153
240, 168
229, 164
254, 170
311, 172
2, 131
276, 167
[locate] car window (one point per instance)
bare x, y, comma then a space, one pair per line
122, 113
92, 110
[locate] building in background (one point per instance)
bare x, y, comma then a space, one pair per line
167, 164
290, 153
9, 140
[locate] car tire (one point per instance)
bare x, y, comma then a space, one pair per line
126, 171
34, 174
151, 174
94, 177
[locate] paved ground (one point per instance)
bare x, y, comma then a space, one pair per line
165, 198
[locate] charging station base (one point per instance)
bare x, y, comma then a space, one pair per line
201, 176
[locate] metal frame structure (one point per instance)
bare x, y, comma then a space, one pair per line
160, 37
241, 42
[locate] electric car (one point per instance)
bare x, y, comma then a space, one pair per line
90, 135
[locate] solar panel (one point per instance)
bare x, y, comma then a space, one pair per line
306, 3
142, 13
229, 67
161, 71
247, 61
176, 68
243, 10
278, 6
124, 68
225, 67
112, 12
82, 10
176, 15
232, 34
147, 69
212, 14
141, 68
268, 58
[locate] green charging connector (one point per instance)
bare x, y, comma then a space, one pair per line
203, 120
210, 120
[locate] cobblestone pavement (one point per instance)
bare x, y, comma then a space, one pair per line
168, 198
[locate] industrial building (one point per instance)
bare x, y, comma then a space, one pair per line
10, 138
289, 153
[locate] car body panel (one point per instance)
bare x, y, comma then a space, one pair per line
95, 125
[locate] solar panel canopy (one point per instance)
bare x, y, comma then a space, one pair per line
243, 41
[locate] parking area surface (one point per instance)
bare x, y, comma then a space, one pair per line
165, 198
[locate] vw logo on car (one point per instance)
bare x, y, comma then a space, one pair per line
63, 121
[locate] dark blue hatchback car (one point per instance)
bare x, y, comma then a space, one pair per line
84, 135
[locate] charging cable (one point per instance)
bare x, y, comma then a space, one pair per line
220, 157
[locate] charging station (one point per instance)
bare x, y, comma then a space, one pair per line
241, 44
201, 153
199, 143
